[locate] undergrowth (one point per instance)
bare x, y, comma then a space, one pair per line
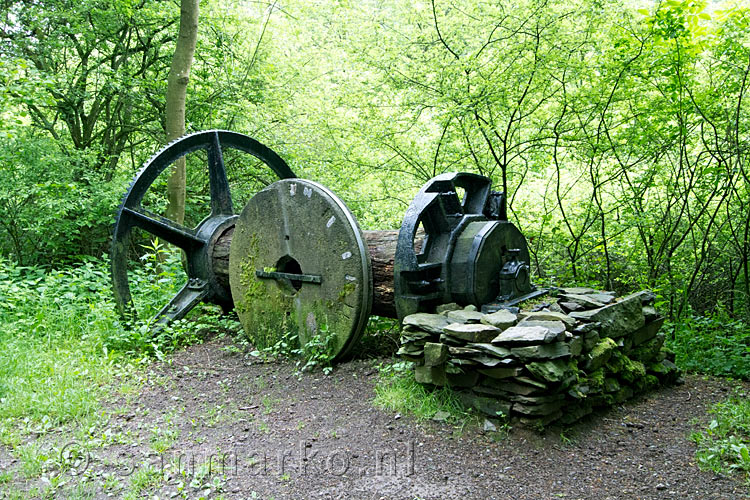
398, 391
724, 446
715, 345
61, 337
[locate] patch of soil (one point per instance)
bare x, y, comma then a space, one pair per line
219, 424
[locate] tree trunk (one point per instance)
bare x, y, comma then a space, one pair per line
177, 81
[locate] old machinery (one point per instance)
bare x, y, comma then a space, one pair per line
299, 263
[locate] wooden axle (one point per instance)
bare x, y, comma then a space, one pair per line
382, 247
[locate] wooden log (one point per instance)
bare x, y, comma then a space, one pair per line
382, 247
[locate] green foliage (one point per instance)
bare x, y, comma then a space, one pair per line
317, 353
715, 345
398, 391
724, 446
55, 208
62, 337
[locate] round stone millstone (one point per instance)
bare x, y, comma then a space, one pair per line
299, 265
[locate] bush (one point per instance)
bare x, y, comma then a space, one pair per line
724, 447
714, 345
55, 207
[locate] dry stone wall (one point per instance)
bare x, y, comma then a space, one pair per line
582, 349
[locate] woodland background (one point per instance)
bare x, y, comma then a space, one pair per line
620, 131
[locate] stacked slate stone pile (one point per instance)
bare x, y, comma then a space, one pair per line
581, 350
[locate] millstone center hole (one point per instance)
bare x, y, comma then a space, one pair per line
287, 264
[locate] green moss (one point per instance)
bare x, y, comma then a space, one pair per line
632, 371
264, 311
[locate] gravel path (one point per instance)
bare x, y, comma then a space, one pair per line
219, 426
320, 437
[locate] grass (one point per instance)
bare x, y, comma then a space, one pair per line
63, 345
724, 446
398, 391
145, 478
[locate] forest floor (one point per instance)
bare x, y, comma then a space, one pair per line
211, 423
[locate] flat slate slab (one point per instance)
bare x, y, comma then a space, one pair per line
471, 332
586, 301
433, 323
525, 335
501, 319
549, 316
618, 318
464, 316
558, 327
545, 351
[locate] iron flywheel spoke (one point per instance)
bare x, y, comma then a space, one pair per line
163, 228
221, 198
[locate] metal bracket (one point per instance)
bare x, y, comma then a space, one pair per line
275, 275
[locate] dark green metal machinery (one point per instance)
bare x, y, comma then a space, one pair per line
295, 259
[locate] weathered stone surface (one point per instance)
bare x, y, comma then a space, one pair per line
508, 386
540, 420
452, 341
488, 406
556, 327
549, 371
585, 327
470, 307
532, 382
615, 362
472, 332
576, 345
648, 351
600, 354
573, 413
464, 316
433, 323
462, 352
489, 426
435, 354
647, 297
525, 335
537, 410
444, 308
501, 372
555, 307
647, 332
611, 385
590, 340
492, 350
537, 400
488, 361
411, 354
430, 375
616, 319
415, 336
459, 362
577, 290
623, 394
570, 306
665, 371
649, 312
466, 379
545, 351
604, 298
632, 371
549, 316
584, 301
501, 319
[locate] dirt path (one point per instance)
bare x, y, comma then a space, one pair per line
267, 434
